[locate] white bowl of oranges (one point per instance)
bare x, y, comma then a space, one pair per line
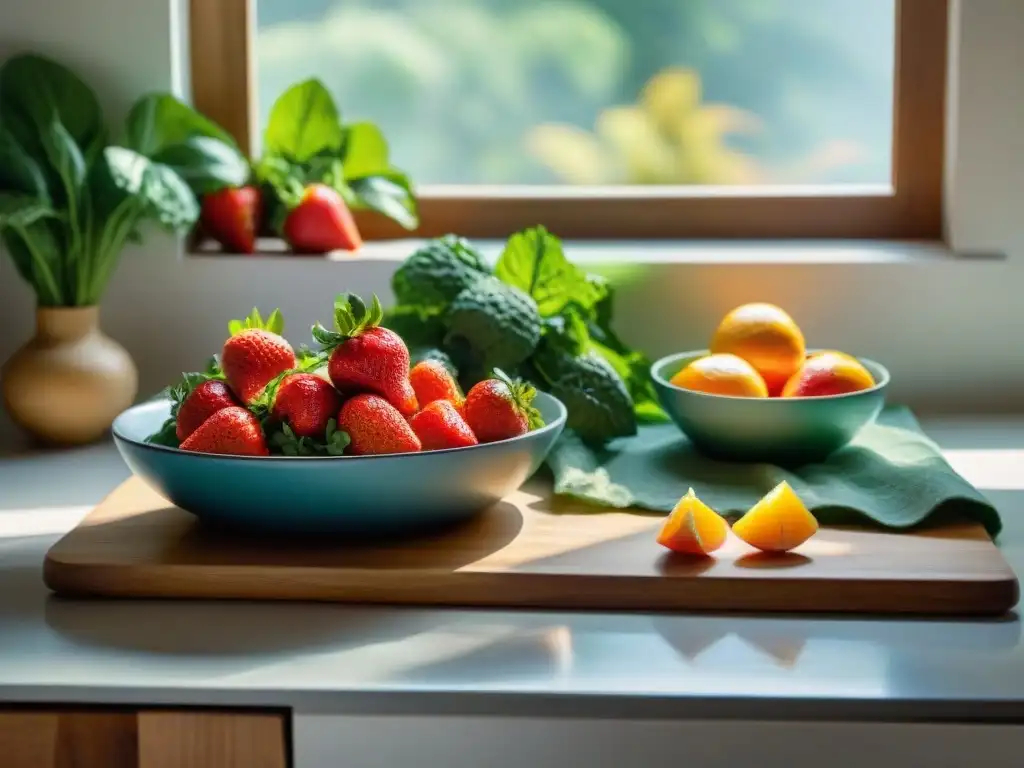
758, 394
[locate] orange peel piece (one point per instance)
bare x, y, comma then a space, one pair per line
778, 522
693, 528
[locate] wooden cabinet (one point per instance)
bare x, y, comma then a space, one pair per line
150, 738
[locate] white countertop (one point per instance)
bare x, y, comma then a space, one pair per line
328, 658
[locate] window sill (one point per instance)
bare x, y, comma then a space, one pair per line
652, 252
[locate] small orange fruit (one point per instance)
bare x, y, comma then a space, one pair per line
693, 528
722, 375
828, 373
777, 523
767, 338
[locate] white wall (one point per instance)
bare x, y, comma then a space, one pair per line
947, 331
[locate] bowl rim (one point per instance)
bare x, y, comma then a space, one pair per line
556, 424
656, 376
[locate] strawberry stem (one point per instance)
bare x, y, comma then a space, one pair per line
351, 318
274, 323
523, 394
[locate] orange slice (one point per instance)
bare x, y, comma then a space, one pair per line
693, 528
777, 523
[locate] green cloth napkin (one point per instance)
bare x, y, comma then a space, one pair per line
891, 474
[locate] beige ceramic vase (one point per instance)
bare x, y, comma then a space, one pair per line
67, 384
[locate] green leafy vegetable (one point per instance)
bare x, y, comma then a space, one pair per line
389, 194
435, 274
633, 366
491, 325
303, 122
19, 172
595, 395
538, 315
152, 190
366, 150
417, 326
534, 262
173, 134
159, 120
19, 211
71, 201
36, 93
205, 164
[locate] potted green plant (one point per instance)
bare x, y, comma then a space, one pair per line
73, 194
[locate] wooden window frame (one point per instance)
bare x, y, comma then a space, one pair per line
223, 79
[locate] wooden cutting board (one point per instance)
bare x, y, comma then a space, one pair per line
530, 552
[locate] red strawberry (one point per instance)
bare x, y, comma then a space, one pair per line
431, 381
306, 402
255, 354
232, 216
365, 357
440, 426
376, 427
233, 431
499, 408
321, 222
200, 404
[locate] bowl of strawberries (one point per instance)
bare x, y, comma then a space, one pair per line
349, 438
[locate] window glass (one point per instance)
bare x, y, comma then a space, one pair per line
596, 92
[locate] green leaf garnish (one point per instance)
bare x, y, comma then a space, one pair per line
284, 441
534, 262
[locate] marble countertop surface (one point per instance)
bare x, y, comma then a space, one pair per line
334, 658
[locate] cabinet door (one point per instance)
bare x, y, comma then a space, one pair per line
142, 739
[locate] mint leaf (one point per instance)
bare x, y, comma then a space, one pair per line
303, 121
534, 262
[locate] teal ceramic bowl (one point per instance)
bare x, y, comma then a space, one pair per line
776, 430
364, 496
